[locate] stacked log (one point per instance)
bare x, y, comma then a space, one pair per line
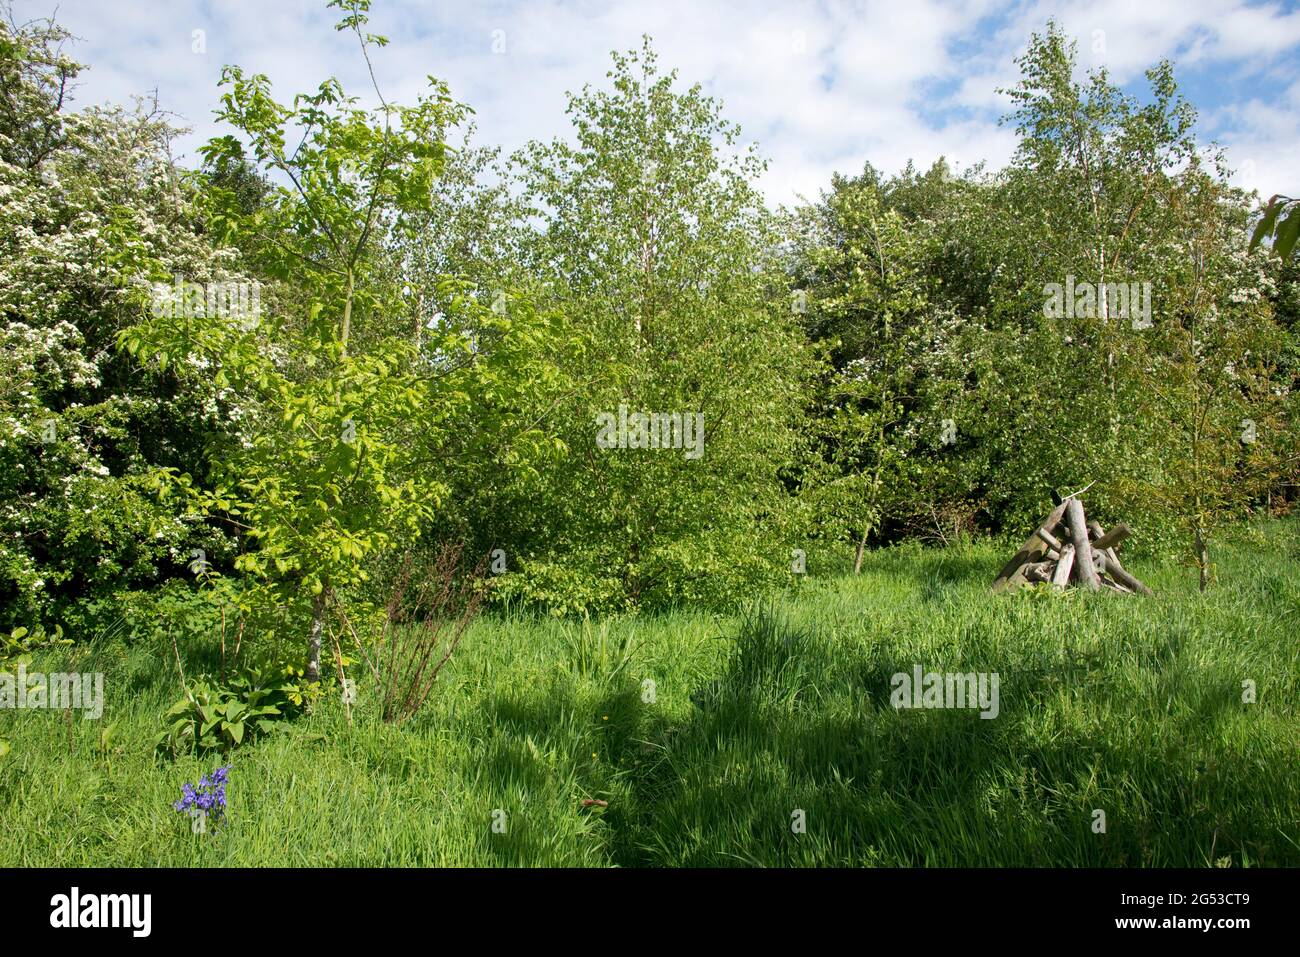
1067, 550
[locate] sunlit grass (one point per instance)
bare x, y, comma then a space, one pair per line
707, 734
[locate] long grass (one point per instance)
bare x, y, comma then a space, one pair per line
712, 739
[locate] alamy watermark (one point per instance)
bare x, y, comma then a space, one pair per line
651, 430
1086, 300
56, 691
129, 911
240, 302
931, 689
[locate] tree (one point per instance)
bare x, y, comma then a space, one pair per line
650, 236
331, 472
858, 264
1211, 371
84, 428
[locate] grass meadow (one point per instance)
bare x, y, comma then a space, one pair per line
707, 735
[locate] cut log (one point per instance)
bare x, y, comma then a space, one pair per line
1116, 571
1111, 565
1099, 535
1039, 571
1050, 540
1104, 540
1084, 571
1032, 550
1062, 576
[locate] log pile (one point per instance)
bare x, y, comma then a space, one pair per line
1068, 550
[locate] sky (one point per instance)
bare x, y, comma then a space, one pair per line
821, 87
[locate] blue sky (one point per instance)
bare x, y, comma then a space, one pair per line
821, 86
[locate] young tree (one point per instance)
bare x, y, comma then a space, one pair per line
333, 470
1211, 374
1084, 204
651, 237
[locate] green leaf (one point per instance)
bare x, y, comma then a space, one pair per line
1288, 231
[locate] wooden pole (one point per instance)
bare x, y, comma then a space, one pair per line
1062, 576
1116, 571
1084, 570
1104, 539
1032, 550
1050, 540
1111, 564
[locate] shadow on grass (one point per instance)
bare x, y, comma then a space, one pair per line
786, 760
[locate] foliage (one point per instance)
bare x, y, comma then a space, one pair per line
1279, 222
16, 650
925, 292
335, 470
83, 429
220, 716
17, 647
438, 329
863, 296
648, 233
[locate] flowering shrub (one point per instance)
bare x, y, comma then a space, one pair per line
84, 427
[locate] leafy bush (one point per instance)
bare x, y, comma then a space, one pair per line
16, 647
216, 716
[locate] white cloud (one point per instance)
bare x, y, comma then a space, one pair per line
822, 86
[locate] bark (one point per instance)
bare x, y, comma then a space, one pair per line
314, 638
1084, 569
862, 547
1062, 576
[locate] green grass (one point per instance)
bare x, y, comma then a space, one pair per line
1128, 705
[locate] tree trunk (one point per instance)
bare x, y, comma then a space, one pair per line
347, 314
1202, 558
314, 637
862, 547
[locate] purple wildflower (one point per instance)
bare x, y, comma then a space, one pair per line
208, 799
